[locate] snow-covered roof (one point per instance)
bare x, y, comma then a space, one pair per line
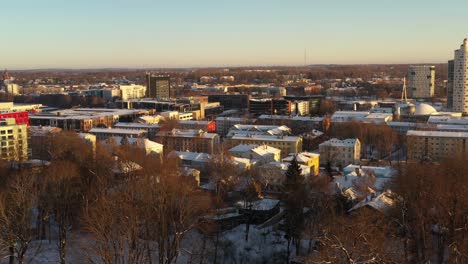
193, 156
259, 205
382, 202
266, 138
294, 118
302, 157
384, 172
350, 142
448, 134
117, 131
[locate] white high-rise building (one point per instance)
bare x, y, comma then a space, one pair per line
421, 81
460, 79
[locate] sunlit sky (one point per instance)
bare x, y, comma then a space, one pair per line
199, 33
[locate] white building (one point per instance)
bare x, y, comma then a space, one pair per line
263, 153
340, 152
460, 79
132, 91
421, 81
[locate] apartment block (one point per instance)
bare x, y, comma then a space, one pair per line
460, 79
436, 145
421, 81
13, 140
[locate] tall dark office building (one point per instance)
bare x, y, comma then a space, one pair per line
158, 86
451, 75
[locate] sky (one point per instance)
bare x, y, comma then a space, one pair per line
200, 33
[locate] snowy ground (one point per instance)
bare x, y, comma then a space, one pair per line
263, 246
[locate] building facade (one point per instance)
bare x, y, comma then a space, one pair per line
158, 86
460, 79
188, 140
13, 140
450, 77
340, 152
132, 91
436, 145
421, 81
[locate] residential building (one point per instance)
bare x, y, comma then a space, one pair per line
436, 145
13, 140
20, 117
287, 144
311, 160
340, 152
158, 86
460, 79
188, 140
263, 153
421, 81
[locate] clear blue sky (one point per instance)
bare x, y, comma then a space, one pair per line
182, 33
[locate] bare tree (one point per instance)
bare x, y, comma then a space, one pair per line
16, 205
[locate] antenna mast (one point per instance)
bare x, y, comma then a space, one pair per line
404, 96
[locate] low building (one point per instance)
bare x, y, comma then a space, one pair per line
13, 140
150, 147
207, 126
194, 160
188, 140
263, 153
340, 152
151, 129
84, 119
224, 124
347, 116
287, 144
258, 130
436, 145
105, 133
298, 124
311, 160
272, 175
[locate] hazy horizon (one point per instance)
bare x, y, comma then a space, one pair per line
144, 34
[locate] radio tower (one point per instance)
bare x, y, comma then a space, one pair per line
404, 96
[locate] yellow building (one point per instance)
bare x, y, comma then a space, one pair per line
13, 140
436, 145
311, 160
